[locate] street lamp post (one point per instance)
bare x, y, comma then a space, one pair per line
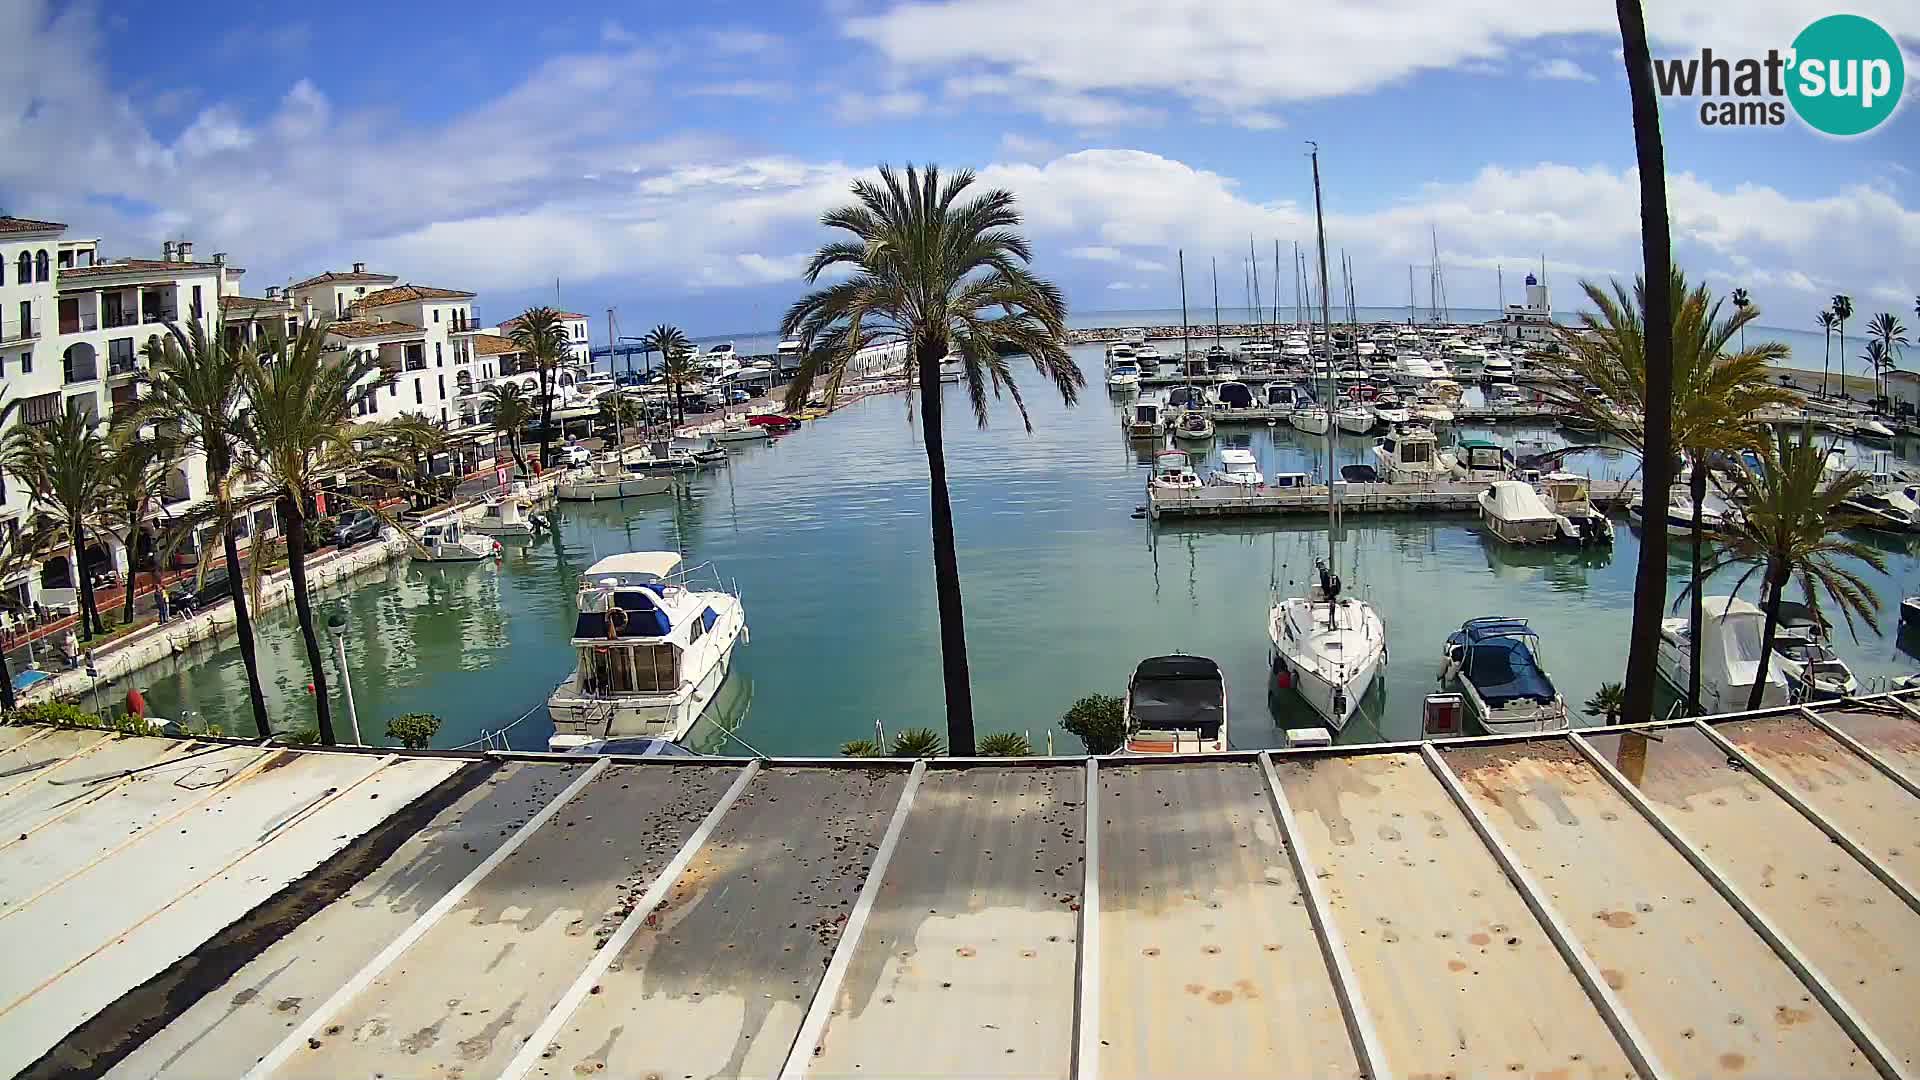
337, 626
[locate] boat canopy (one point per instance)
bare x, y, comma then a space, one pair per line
1236, 456
1236, 395
656, 563
641, 616
1514, 500
1503, 670
1184, 693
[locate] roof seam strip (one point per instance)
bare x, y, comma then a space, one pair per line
364, 978
1086, 991
1886, 768
1612, 1011
30, 775
536, 1045
1884, 1061
1333, 949
1834, 832
820, 1009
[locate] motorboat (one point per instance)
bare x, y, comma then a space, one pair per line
607, 479
1237, 469
1281, 395
1125, 375
775, 422
507, 514
1804, 651
1354, 418
1194, 424
1429, 412
734, 429
1290, 481
1182, 398
1148, 420
1173, 471
449, 541
1119, 352
952, 369
789, 352
652, 651
1233, 395
661, 456
1146, 356
1497, 367
1730, 633
1176, 705
1481, 459
1714, 517
1570, 497
703, 449
1411, 455
1888, 510
1392, 412
1327, 648
1310, 418
1495, 662
1516, 513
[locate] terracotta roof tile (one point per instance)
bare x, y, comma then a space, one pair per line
515, 321
236, 305
401, 294
346, 275
492, 345
133, 266
20, 225
360, 328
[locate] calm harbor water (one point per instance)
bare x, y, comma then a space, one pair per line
825, 534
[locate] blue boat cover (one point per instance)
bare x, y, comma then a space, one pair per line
1504, 671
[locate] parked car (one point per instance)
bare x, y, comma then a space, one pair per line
355, 527
187, 598
740, 397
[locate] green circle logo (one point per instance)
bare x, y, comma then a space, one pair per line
1847, 75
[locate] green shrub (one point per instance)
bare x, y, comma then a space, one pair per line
415, 730
306, 736
323, 533
1005, 744
1607, 703
57, 713
862, 748
1098, 721
918, 742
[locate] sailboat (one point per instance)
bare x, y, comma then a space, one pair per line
1327, 648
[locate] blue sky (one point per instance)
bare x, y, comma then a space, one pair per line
672, 161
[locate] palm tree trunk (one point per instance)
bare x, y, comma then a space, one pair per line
7, 700
1650, 580
1776, 586
1696, 609
89, 614
546, 413
946, 563
243, 627
133, 546
1826, 361
294, 516
1843, 358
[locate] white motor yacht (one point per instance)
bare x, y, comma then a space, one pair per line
450, 542
1119, 352
1310, 418
1392, 412
1714, 515
507, 514
1176, 705
1125, 375
1516, 513
607, 479
1497, 367
1173, 471
1430, 412
1411, 455
1327, 648
652, 652
1481, 459
727, 429
1888, 510
1146, 356
1147, 421
1804, 651
1495, 662
1570, 496
1730, 659
1238, 469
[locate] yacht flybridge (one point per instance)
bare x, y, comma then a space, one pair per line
652, 651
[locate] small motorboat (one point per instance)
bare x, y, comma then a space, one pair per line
1311, 419
1173, 471
701, 449
1411, 455
1495, 662
1713, 516
1355, 418
450, 542
1147, 421
1581, 522
508, 515
1195, 425
734, 429
1888, 511
1516, 513
1730, 657
1804, 651
1481, 459
1233, 395
774, 422
1176, 705
1124, 376
606, 479
1391, 411
1237, 469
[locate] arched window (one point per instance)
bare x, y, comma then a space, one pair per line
25, 272
40, 266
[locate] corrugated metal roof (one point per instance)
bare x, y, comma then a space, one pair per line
1694, 900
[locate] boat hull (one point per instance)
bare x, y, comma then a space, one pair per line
667, 716
604, 490
1319, 690
1311, 424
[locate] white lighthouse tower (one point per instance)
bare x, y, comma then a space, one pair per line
1530, 323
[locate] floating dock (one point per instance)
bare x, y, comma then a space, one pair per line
1729, 897
1223, 500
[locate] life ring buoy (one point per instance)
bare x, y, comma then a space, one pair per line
616, 622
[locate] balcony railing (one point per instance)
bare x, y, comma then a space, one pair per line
167, 315
18, 330
79, 324
112, 319
121, 365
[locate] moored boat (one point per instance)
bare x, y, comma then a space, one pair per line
608, 479
1327, 648
1125, 375
1495, 661
1730, 656
1516, 513
508, 514
1147, 421
1310, 418
1237, 469
1570, 496
1173, 471
1411, 455
1804, 650
1176, 704
448, 541
1194, 425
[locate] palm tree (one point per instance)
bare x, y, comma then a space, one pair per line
132, 483
1875, 357
680, 370
507, 401
61, 461
1656, 242
1791, 512
619, 411
19, 548
541, 333
300, 430
666, 340
1842, 311
1740, 302
191, 392
1827, 323
936, 272
1886, 331
410, 441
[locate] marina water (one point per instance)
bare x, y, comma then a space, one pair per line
825, 534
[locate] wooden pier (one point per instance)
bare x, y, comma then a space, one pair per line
1461, 496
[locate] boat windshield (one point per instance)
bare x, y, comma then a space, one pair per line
1178, 705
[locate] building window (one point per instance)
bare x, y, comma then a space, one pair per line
438, 360
196, 301
66, 260
26, 363
26, 317
443, 385
436, 314
419, 396
41, 270
24, 274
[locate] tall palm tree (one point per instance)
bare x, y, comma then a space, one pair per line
1886, 331
300, 430
541, 333
61, 462
1827, 323
191, 393
937, 271
19, 548
680, 370
1791, 511
132, 484
1656, 242
1877, 360
410, 442
1842, 311
666, 340
1714, 393
512, 412
1740, 302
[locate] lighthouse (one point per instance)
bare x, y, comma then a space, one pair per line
1529, 323
1537, 302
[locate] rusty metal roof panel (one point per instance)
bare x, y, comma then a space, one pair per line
1663, 939
1457, 974
154, 903
729, 962
966, 967
1838, 916
467, 994
1889, 733
244, 1016
1208, 962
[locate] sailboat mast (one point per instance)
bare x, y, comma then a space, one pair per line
1409, 294
1276, 287
1296, 283
1320, 229
1215, 260
1184, 347
619, 439
1253, 261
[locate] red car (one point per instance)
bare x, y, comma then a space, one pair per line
773, 422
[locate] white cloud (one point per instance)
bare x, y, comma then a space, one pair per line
1124, 286
1116, 257
612, 33
1560, 68
740, 88
1022, 148
858, 106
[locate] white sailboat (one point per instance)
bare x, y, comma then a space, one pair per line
1327, 648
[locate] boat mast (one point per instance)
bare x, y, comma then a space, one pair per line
619, 439
1276, 287
1253, 261
1409, 294
1184, 347
1320, 229
1296, 284
1500, 282
1215, 261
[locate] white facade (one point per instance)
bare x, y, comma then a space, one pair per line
29, 359
579, 340
1530, 323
